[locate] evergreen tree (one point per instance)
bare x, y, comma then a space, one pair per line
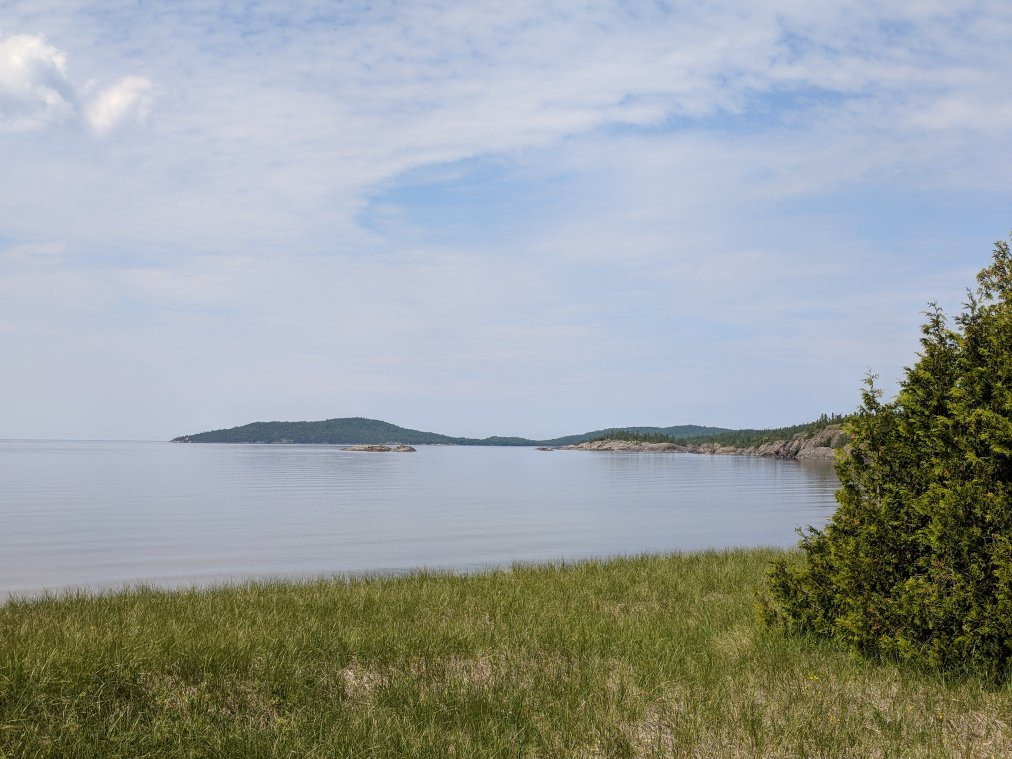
916, 563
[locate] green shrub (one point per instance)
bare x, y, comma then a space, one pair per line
916, 563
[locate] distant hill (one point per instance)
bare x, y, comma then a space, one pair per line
678, 432
351, 430
348, 430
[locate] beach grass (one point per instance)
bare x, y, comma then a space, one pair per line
642, 656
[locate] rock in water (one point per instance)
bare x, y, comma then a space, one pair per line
380, 448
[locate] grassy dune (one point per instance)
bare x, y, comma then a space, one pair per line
649, 656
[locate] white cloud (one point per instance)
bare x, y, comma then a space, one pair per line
36, 91
127, 100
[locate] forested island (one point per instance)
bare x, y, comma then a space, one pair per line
781, 442
349, 430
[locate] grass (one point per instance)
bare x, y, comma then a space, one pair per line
645, 656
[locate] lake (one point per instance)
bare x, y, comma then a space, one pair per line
106, 514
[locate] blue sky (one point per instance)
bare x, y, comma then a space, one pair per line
485, 218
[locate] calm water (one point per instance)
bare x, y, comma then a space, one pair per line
103, 514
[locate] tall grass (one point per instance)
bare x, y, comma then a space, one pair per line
645, 656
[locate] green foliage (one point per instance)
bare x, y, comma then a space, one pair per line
677, 434
635, 436
749, 438
744, 438
916, 563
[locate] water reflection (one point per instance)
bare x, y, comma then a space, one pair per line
104, 514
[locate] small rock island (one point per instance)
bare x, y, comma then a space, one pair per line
380, 448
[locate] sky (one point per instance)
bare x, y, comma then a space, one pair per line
485, 218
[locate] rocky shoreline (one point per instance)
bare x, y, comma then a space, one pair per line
821, 446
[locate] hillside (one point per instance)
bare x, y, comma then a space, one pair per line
752, 438
677, 432
740, 439
329, 431
820, 444
349, 430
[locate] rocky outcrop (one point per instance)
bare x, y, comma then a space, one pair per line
820, 446
380, 448
631, 446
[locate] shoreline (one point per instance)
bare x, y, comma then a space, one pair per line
820, 446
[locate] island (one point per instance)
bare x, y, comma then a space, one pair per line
380, 448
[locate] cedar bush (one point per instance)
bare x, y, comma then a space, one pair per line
916, 562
